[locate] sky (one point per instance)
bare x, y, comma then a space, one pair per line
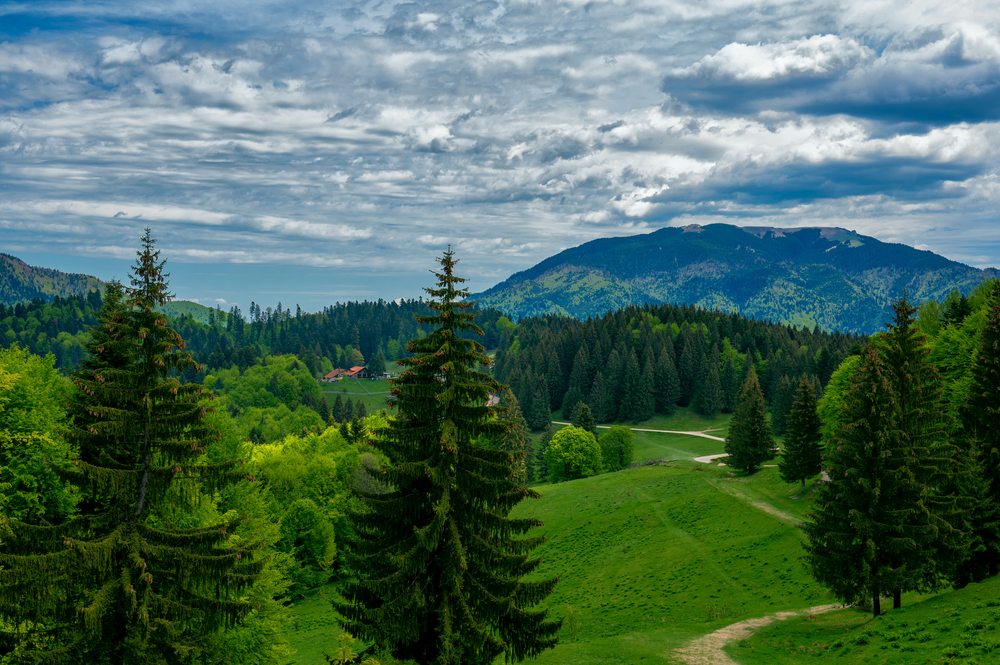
319, 152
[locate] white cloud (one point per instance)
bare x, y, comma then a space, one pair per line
812, 56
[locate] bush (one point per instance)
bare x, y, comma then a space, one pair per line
617, 447
573, 453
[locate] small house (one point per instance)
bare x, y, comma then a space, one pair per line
357, 373
335, 375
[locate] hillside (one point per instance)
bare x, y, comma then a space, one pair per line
830, 277
20, 282
178, 308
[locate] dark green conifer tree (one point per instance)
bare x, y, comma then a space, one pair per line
584, 419
668, 385
116, 584
803, 455
337, 412
781, 404
750, 442
612, 377
932, 459
869, 534
541, 463
709, 398
981, 424
362, 411
730, 384
645, 405
438, 564
513, 436
349, 411
570, 402
687, 368
631, 388
596, 401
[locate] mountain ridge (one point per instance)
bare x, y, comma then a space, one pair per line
832, 277
20, 282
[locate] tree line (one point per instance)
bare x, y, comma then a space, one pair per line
639, 361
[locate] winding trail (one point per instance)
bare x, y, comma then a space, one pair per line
707, 650
661, 431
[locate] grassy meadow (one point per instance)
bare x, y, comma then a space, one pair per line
957, 626
654, 557
372, 392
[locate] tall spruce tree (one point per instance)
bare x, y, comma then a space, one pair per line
438, 565
668, 385
645, 405
932, 459
119, 583
596, 401
869, 533
803, 456
981, 424
750, 442
514, 436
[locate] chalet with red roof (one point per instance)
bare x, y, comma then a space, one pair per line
335, 375
357, 373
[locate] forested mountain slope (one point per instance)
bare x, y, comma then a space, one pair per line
20, 282
830, 277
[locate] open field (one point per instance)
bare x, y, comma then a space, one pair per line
314, 628
652, 557
957, 626
372, 392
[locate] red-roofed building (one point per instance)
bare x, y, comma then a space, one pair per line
335, 375
357, 373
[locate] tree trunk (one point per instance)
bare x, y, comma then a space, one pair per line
876, 608
897, 599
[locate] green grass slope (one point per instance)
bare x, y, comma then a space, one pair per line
652, 557
955, 627
177, 308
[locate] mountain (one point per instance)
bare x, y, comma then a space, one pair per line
20, 282
831, 277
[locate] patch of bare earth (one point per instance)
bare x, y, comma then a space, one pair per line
707, 650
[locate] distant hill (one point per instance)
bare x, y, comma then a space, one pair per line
831, 277
20, 282
177, 308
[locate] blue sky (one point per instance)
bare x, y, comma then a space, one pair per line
313, 152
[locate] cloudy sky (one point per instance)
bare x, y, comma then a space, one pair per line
313, 152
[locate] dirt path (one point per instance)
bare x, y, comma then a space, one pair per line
707, 650
661, 431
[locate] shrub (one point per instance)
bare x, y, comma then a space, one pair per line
573, 453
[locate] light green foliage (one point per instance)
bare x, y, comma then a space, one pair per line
33, 399
573, 453
831, 404
617, 447
308, 536
309, 481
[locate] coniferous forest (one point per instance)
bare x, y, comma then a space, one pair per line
177, 492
